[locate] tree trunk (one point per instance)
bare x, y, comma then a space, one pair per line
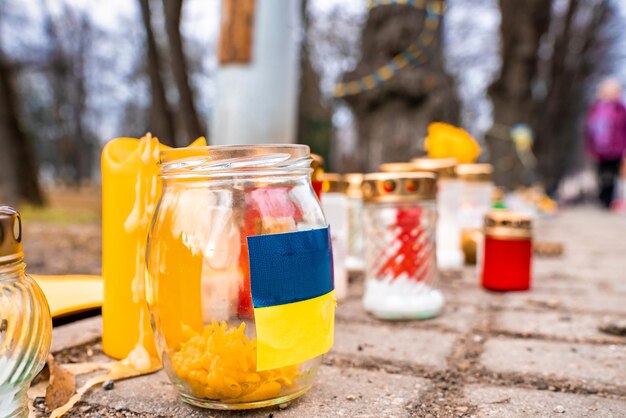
161, 120
314, 116
19, 176
560, 131
392, 118
68, 81
193, 128
524, 23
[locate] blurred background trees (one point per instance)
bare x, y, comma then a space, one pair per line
75, 73
552, 53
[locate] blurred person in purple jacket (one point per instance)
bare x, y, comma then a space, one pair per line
605, 136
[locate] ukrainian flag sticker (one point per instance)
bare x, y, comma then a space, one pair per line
291, 279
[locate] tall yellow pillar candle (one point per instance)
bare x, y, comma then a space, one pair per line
130, 191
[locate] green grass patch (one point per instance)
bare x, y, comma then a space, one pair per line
56, 215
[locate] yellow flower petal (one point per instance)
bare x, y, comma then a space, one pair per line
448, 141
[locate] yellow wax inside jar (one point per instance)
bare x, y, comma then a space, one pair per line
194, 255
176, 296
219, 362
130, 191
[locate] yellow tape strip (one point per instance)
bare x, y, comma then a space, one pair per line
295, 332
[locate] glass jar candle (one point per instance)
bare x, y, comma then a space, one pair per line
400, 222
355, 261
239, 281
507, 251
336, 209
25, 322
476, 201
449, 189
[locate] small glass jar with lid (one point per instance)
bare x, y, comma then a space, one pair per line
506, 260
449, 190
476, 201
400, 222
239, 275
336, 209
25, 322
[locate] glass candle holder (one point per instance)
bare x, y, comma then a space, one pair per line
227, 216
25, 322
449, 191
476, 201
336, 209
317, 164
507, 252
355, 260
400, 222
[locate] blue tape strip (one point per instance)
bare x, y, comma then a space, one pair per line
290, 267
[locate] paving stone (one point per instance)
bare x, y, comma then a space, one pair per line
549, 276
77, 333
584, 301
469, 294
580, 276
421, 347
346, 392
503, 402
565, 325
602, 364
454, 317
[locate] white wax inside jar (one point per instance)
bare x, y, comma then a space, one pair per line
12, 397
475, 203
449, 254
336, 210
401, 298
355, 259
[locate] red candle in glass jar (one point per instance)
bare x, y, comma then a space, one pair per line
507, 251
317, 164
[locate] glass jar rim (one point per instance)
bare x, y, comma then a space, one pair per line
235, 160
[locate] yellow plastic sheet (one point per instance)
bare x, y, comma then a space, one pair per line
71, 294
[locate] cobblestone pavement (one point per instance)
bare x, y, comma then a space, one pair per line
537, 353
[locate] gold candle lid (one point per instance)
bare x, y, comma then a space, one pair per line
333, 183
399, 187
474, 172
397, 168
443, 167
317, 164
508, 224
354, 180
317, 161
10, 236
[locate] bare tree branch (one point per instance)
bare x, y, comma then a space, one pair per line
187, 109
161, 120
